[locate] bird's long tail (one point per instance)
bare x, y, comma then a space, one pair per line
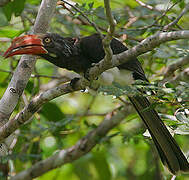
169, 151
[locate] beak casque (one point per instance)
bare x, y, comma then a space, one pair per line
28, 44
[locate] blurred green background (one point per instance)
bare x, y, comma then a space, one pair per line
124, 154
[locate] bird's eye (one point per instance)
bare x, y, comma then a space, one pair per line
47, 40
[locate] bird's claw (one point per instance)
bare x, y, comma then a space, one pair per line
73, 83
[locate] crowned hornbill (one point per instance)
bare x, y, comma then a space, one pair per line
78, 54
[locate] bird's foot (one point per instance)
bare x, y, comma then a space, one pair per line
73, 83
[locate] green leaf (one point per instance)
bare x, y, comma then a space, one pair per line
91, 5
111, 90
52, 112
8, 10
3, 19
118, 90
101, 165
182, 4
33, 2
10, 32
29, 87
82, 168
15, 7
18, 6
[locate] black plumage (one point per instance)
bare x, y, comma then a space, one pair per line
78, 54
88, 50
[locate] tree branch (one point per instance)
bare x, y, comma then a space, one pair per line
184, 11
37, 75
106, 41
82, 147
174, 66
85, 16
183, 76
3, 2
33, 107
147, 6
163, 14
23, 71
25, 66
146, 45
109, 16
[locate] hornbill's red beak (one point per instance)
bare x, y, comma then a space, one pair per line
28, 44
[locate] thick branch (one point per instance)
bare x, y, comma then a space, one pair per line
33, 107
25, 66
23, 70
146, 45
174, 66
82, 147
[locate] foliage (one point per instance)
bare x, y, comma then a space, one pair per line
124, 153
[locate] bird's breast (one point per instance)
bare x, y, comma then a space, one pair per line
123, 77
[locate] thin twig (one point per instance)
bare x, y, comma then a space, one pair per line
174, 66
110, 18
35, 75
88, 114
147, 6
183, 76
169, 71
107, 40
146, 45
82, 147
85, 16
173, 177
4, 39
131, 20
37, 102
156, 21
124, 101
184, 11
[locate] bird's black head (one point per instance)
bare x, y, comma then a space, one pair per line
58, 46
50, 46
